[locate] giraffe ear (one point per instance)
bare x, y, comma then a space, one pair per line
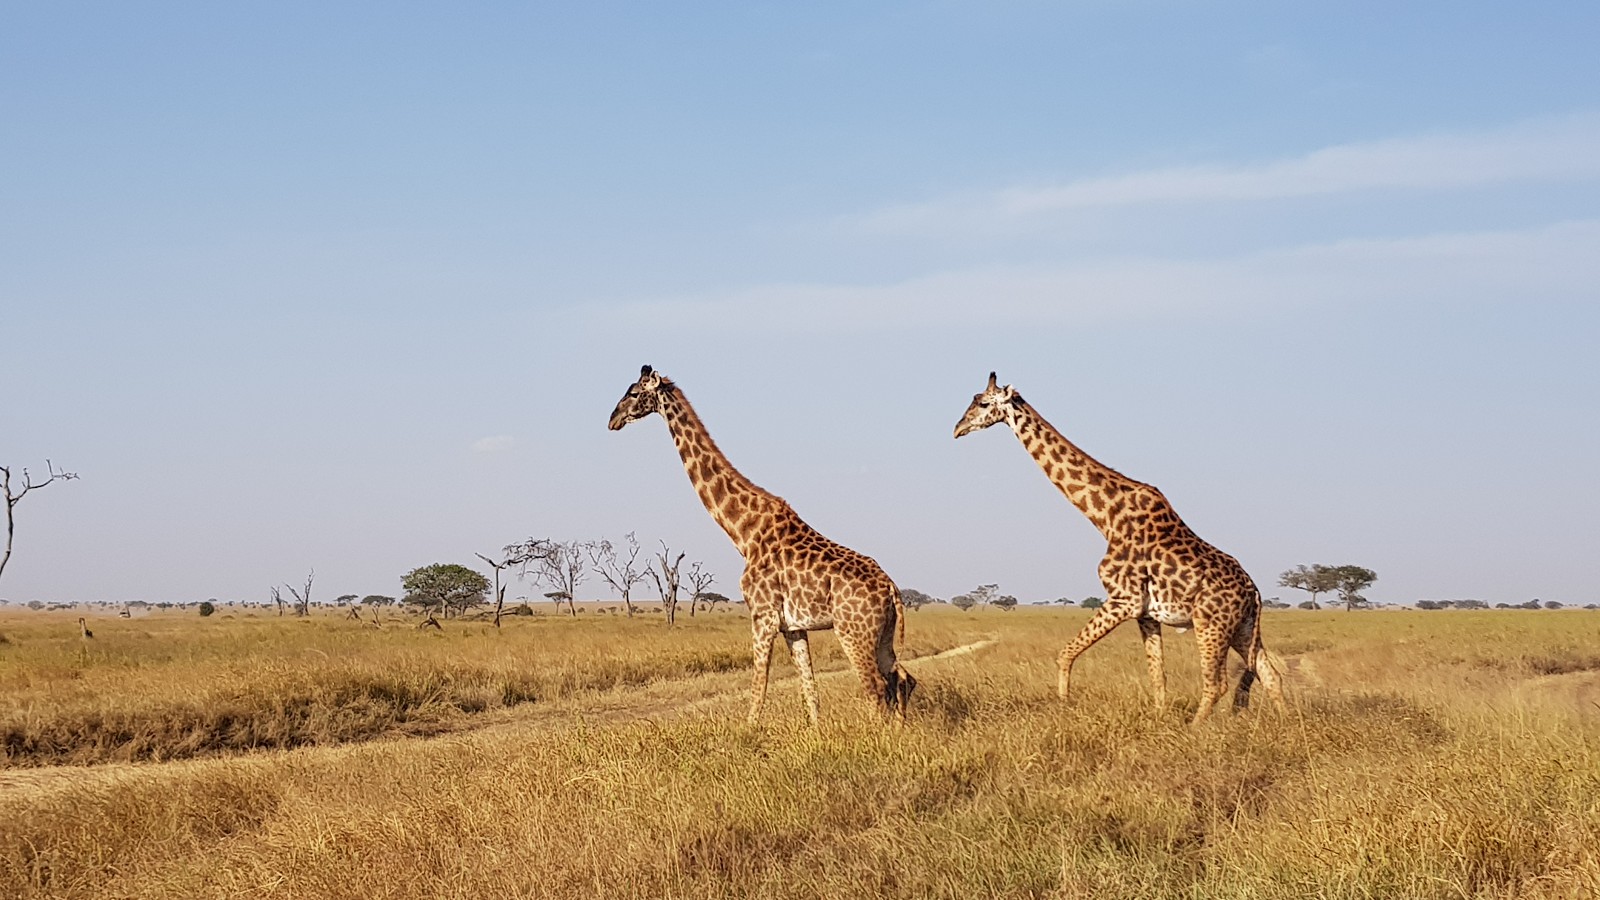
991, 381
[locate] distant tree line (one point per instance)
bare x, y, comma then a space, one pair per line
449, 590
1479, 604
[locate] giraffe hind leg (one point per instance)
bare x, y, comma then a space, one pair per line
898, 683
861, 653
1247, 643
1213, 662
800, 652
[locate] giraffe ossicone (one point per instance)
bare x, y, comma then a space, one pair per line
1156, 571
795, 580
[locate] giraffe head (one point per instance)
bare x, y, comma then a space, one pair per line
642, 399
995, 404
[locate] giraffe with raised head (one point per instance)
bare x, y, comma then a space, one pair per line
795, 580
1156, 571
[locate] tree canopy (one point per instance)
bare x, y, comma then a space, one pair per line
444, 586
1313, 579
1350, 581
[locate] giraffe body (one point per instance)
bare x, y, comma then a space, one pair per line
795, 580
1156, 570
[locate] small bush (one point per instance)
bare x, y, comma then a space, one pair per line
207, 608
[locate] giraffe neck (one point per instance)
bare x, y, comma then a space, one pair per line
733, 500
1100, 492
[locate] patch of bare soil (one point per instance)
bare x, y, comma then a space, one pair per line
1577, 692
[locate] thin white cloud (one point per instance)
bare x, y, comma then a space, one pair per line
494, 444
1555, 263
1553, 150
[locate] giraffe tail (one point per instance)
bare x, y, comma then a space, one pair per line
899, 618
1256, 650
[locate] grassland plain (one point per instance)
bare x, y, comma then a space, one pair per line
1427, 754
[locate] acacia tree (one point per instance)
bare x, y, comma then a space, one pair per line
13, 497
664, 572
699, 580
1350, 581
963, 602
1005, 602
984, 594
1314, 579
444, 586
621, 570
911, 598
712, 598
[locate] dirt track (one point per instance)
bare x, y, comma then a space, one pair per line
660, 700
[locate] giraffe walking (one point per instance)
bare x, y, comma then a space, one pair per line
1156, 571
795, 580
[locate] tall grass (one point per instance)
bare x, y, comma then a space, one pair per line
1429, 755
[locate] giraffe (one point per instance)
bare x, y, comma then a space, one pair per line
795, 580
1156, 571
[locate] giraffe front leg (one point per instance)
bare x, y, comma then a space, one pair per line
762, 634
800, 652
1105, 619
1150, 629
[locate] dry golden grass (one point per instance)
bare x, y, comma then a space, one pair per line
1430, 755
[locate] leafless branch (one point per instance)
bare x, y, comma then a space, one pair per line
560, 565
699, 580
499, 590
621, 569
665, 573
302, 600
12, 499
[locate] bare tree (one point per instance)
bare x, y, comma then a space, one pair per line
619, 568
699, 580
562, 566
302, 601
499, 589
13, 498
664, 572
277, 597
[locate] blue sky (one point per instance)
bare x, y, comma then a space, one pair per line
355, 288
